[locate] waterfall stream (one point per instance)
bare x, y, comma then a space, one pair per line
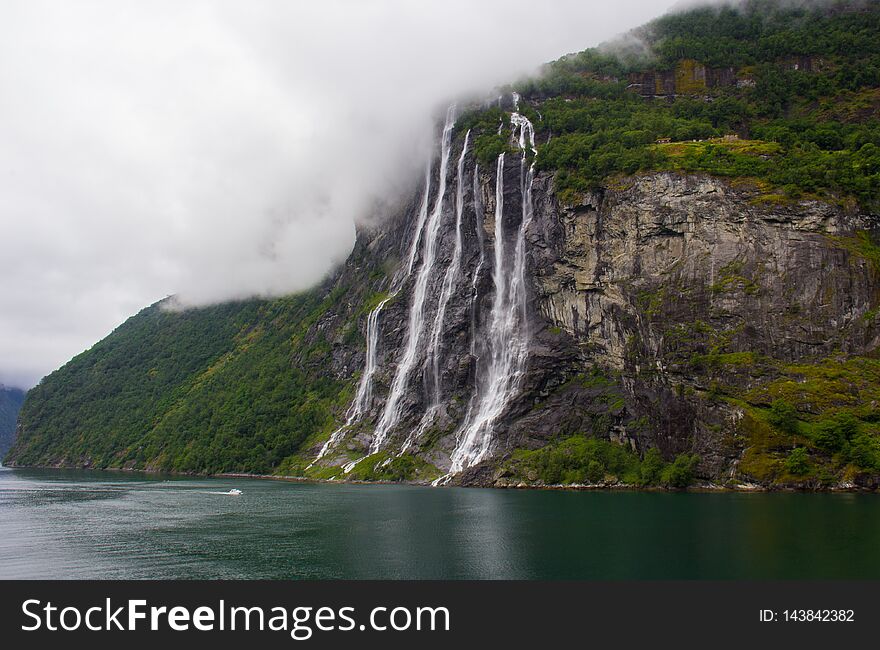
451, 277
500, 373
416, 326
501, 353
365, 387
478, 230
364, 395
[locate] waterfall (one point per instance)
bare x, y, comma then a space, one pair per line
420, 221
502, 355
526, 177
478, 227
451, 277
416, 325
449, 281
364, 395
365, 387
498, 377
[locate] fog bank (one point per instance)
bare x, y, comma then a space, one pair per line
217, 149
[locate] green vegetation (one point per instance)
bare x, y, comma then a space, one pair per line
783, 416
489, 128
680, 473
731, 279
801, 92
825, 406
861, 245
814, 421
584, 460
385, 466
767, 30
798, 462
236, 387
489, 146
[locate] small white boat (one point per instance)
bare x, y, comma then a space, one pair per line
234, 492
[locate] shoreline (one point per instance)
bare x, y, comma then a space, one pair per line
698, 487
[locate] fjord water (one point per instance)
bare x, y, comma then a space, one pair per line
73, 524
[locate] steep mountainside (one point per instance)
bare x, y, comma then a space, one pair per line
10, 403
602, 279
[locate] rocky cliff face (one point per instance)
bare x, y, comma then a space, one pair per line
688, 77
685, 288
658, 313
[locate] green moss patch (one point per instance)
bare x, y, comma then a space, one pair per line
581, 459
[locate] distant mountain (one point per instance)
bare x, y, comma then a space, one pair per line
11, 400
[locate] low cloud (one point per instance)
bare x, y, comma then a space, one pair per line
216, 149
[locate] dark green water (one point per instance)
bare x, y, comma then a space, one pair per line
66, 524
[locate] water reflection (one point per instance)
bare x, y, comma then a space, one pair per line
91, 524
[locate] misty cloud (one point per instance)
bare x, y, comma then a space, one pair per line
216, 149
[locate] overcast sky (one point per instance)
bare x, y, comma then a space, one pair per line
219, 149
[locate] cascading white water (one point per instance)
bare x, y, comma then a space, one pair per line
420, 222
451, 276
364, 395
449, 281
526, 177
365, 387
503, 354
500, 373
416, 325
478, 229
